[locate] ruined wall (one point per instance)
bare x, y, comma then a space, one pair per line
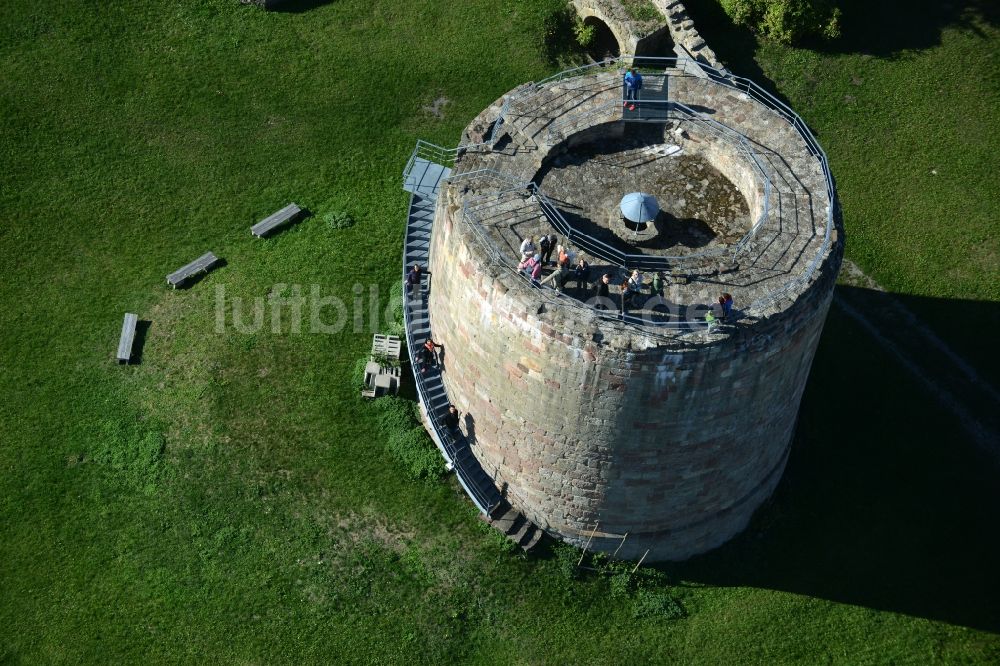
674, 442
675, 32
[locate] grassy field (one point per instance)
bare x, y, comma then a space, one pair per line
229, 499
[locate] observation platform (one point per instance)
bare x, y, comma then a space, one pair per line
744, 139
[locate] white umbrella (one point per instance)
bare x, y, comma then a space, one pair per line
639, 207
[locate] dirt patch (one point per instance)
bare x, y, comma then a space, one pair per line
436, 108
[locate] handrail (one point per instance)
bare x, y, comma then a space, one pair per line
443, 437
553, 295
718, 129
752, 89
720, 77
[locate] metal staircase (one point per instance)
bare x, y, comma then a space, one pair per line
423, 178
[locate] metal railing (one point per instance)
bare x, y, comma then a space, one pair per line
550, 212
444, 440
718, 76
718, 129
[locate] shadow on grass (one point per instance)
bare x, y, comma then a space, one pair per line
139, 343
295, 6
889, 27
560, 45
885, 503
882, 29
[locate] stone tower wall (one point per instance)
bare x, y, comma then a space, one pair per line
583, 423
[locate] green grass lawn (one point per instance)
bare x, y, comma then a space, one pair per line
229, 499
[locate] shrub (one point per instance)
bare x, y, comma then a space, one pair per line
394, 311
566, 558
419, 456
395, 414
584, 33
406, 440
787, 21
642, 10
651, 602
560, 43
620, 578
358, 373
338, 219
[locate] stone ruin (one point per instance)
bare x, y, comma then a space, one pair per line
645, 433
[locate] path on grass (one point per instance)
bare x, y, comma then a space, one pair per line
948, 377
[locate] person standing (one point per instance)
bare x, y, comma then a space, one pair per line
562, 268
536, 270
603, 296
581, 273
726, 301
627, 294
528, 248
633, 84
413, 279
451, 418
428, 355
545, 248
549, 244
658, 283
711, 321
635, 282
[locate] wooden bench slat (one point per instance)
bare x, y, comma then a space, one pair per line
127, 337
203, 263
275, 220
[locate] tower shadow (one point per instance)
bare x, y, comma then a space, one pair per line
893, 509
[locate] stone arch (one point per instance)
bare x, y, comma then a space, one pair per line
593, 12
606, 42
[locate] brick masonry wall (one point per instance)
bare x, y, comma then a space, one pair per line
675, 444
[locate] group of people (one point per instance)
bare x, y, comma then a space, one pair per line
631, 289
536, 253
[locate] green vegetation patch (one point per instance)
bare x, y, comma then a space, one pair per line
642, 10
406, 439
787, 21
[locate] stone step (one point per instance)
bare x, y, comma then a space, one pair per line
524, 526
533, 539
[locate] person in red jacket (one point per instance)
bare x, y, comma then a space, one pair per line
428, 355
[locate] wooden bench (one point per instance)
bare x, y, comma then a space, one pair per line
128, 337
279, 219
202, 264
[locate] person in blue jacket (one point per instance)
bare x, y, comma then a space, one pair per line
633, 84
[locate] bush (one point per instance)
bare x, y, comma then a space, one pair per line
584, 33
787, 21
559, 37
406, 440
358, 373
394, 324
395, 414
566, 558
651, 602
338, 219
642, 10
419, 456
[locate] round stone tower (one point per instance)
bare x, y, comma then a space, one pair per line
648, 429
